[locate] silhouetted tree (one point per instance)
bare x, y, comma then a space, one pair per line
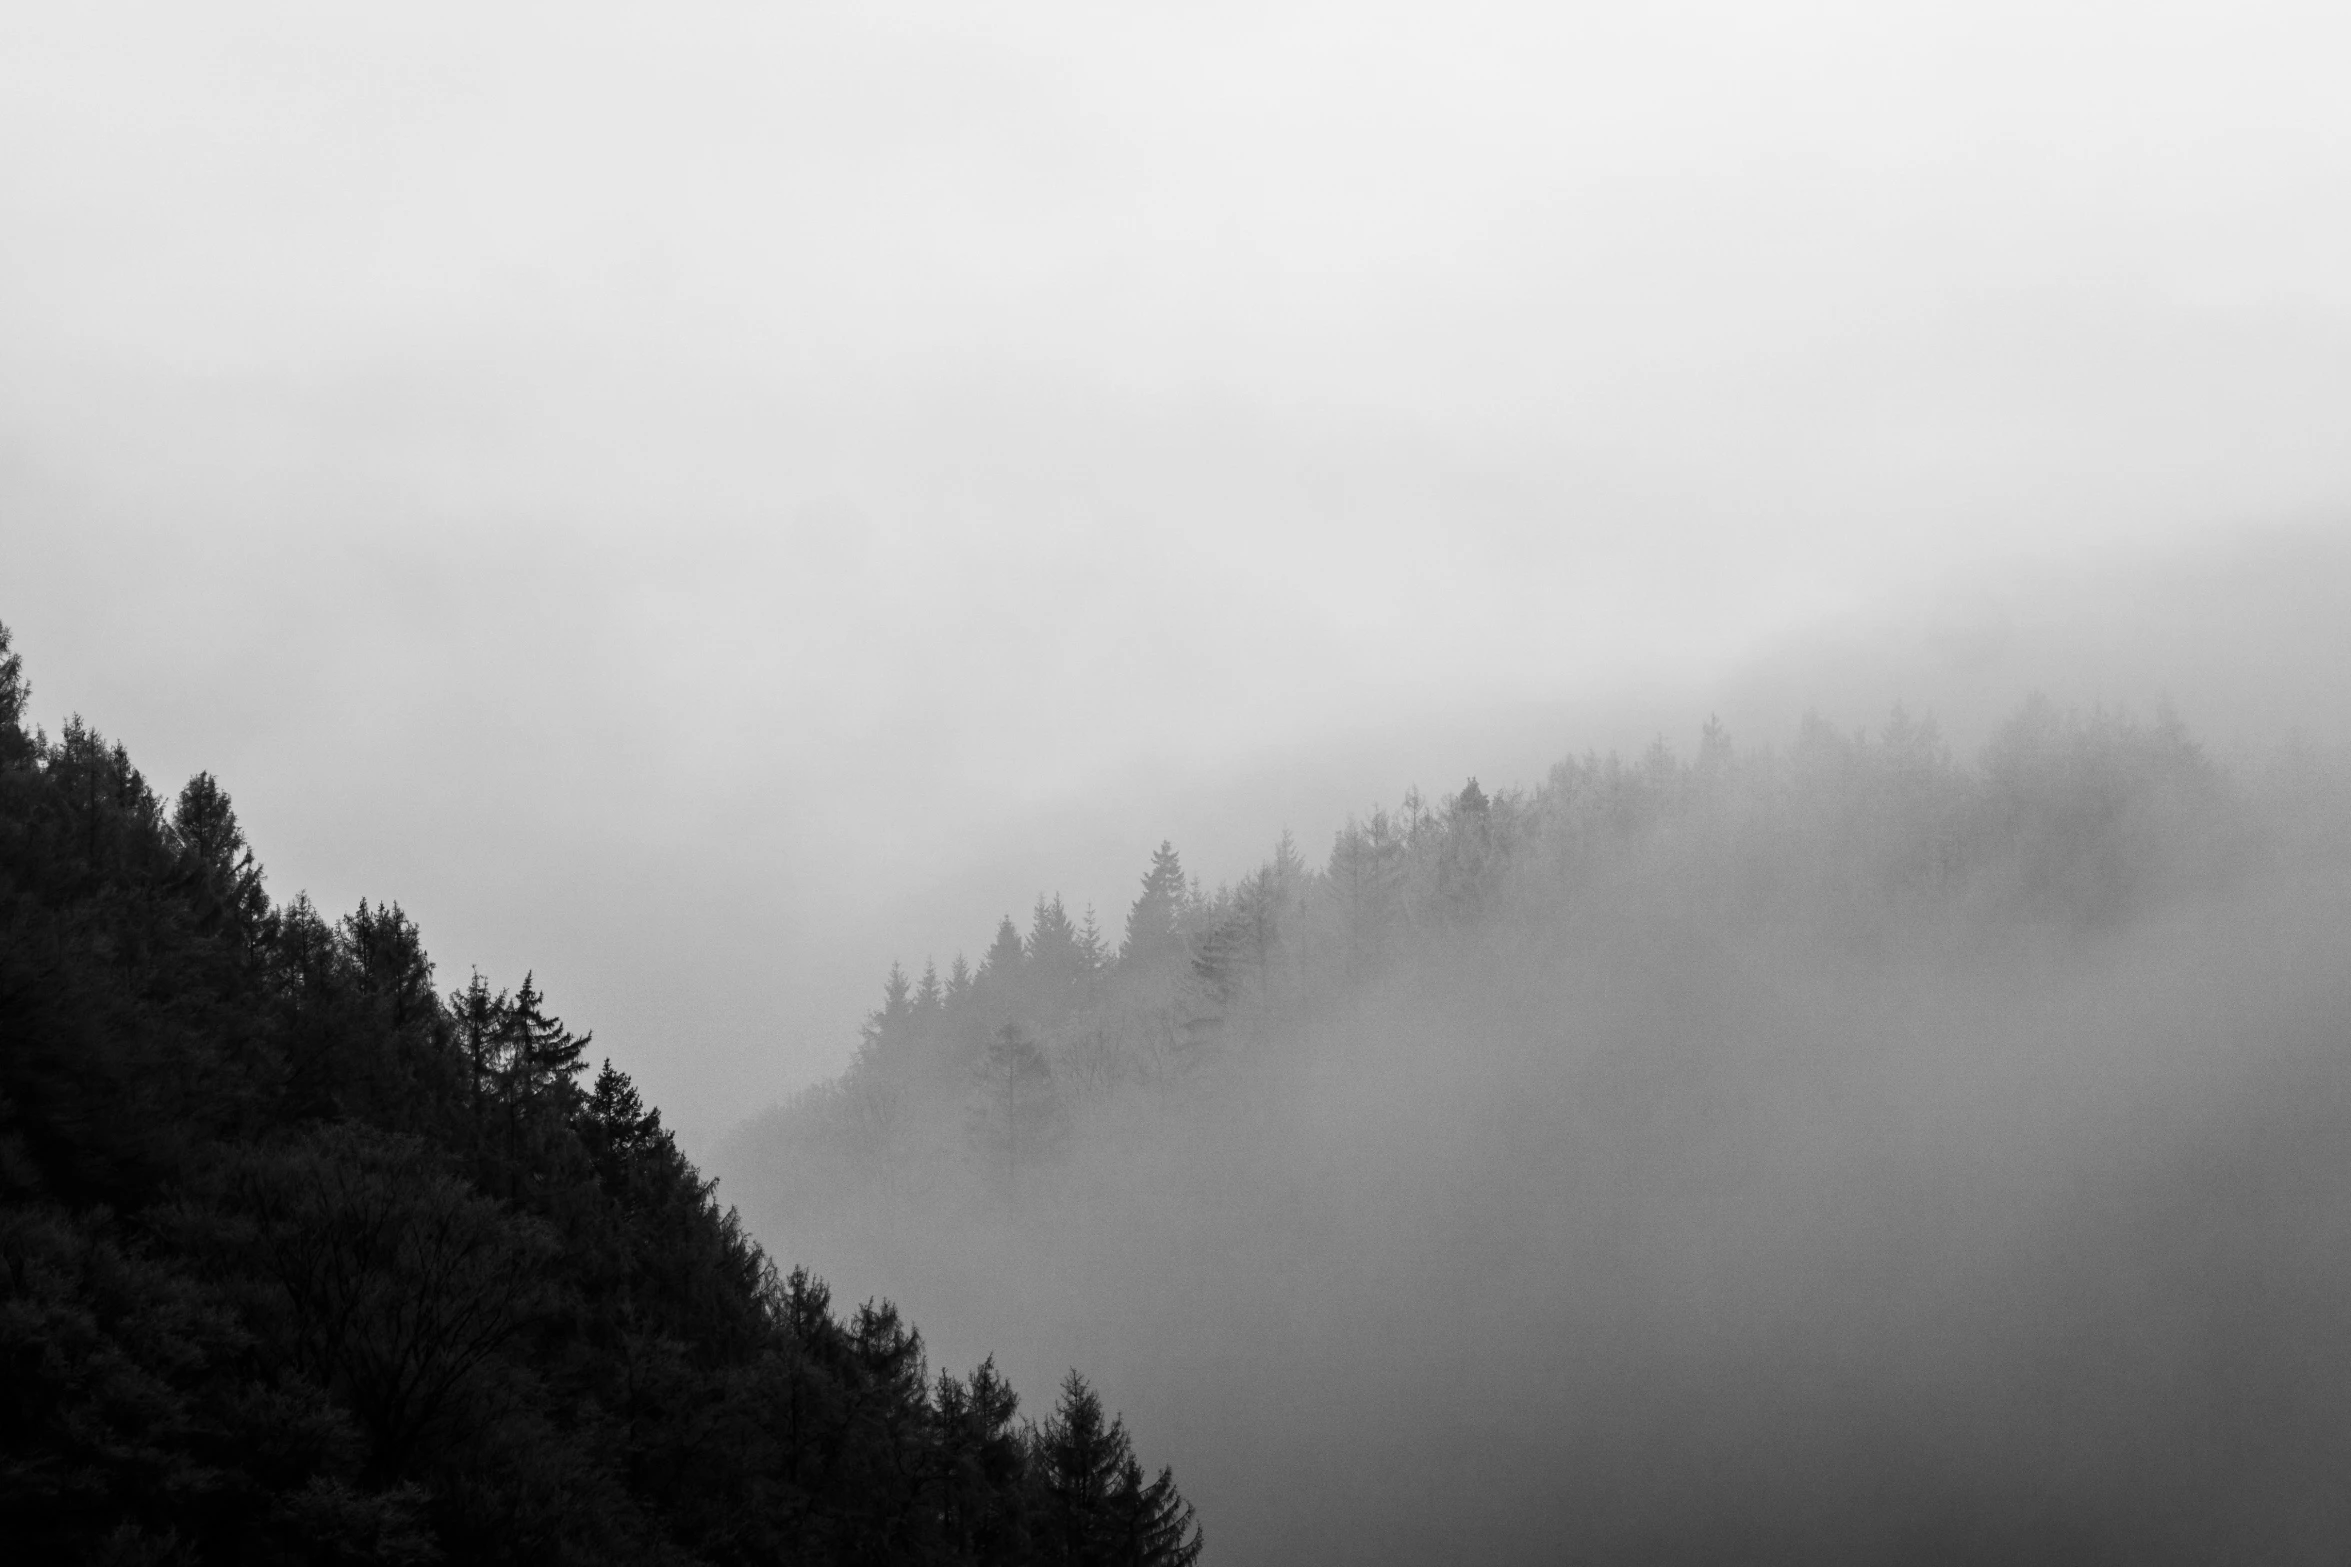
1002, 961
1092, 1507
1151, 920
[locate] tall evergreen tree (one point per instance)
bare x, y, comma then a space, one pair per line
886, 1026
16, 747
542, 1056
480, 1020
1056, 956
1151, 919
1093, 1507
1002, 961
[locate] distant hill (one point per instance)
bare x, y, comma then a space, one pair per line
304, 1259
1837, 1149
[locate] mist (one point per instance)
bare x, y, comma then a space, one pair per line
699, 509
1790, 1162
792, 467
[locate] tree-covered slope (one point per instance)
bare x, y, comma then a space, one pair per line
302, 1260
2070, 824
1837, 1150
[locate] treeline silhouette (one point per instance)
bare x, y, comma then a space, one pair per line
302, 1260
2068, 821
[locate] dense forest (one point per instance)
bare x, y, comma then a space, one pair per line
303, 1259
2073, 821
1839, 1149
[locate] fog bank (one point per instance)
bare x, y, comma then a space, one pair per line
1817, 1151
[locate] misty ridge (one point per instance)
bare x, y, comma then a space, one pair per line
1272, 786
1830, 1149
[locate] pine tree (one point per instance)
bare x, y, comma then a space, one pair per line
1054, 953
480, 1018
1289, 868
1093, 1508
206, 825
16, 747
886, 1024
1151, 921
981, 1504
1079, 1459
1002, 961
389, 961
615, 1124
542, 1057
14, 692
1467, 857
1152, 1524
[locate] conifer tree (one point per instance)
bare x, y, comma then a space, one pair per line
614, 1122
1152, 1525
887, 1023
540, 1057
388, 956
16, 747
1093, 1507
1054, 951
1002, 961
1151, 920
481, 1025
207, 825
981, 1505
1289, 867
1467, 859
1079, 1459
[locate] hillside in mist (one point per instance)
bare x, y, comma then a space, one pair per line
302, 1260
1826, 1150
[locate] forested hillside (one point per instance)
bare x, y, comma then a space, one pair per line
305, 1259
1834, 1149
2072, 823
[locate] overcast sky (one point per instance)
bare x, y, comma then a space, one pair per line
705, 500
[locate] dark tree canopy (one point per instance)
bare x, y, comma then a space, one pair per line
303, 1261
1151, 920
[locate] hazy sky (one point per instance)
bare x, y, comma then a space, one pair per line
702, 500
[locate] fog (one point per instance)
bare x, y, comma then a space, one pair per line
1785, 1161
701, 507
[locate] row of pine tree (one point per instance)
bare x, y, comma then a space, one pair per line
2065, 819
304, 1260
